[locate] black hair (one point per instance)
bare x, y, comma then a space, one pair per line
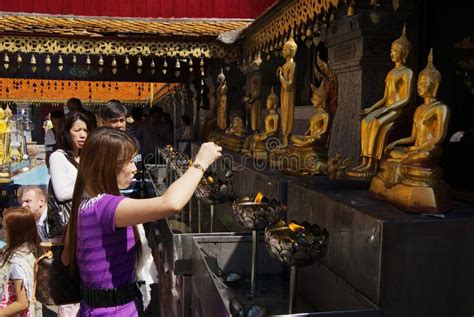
137, 113
57, 114
69, 119
113, 109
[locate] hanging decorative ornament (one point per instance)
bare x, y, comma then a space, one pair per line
201, 62
165, 65
74, 59
139, 62
190, 62
152, 64
114, 63
177, 65
177, 73
88, 60
303, 33
127, 61
350, 9
139, 70
19, 59
202, 82
308, 42
100, 69
202, 72
33, 60
6, 59
101, 61
47, 61
190, 69
6, 65
60, 60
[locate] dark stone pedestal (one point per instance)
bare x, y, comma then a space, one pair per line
319, 291
409, 265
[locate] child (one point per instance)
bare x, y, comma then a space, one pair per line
17, 268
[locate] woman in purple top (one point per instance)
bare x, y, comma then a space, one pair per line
102, 234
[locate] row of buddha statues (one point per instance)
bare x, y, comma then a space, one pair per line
404, 172
9, 151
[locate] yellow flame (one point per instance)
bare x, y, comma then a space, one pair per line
258, 197
295, 227
210, 180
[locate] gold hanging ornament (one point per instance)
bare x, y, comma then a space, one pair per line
33, 60
152, 64
127, 61
19, 59
114, 63
139, 62
101, 61
74, 59
177, 65
88, 60
6, 59
47, 61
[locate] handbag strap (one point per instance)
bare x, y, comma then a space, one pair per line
48, 255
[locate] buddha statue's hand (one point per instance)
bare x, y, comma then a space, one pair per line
278, 73
366, 111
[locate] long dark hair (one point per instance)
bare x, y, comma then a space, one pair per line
22, 231
105, 153
69, 120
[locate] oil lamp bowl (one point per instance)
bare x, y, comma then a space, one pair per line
256, 215
304, 246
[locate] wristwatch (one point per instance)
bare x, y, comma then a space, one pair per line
199, 166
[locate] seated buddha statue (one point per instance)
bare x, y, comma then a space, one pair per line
379, 119
319, 122
255, 144
409, 176
234, 136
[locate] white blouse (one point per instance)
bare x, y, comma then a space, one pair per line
63, 175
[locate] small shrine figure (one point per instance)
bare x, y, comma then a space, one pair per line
252, 95
237, 127
286, 76
410, 177
380, 118
5, 151
255, 145
234, 137
221, 102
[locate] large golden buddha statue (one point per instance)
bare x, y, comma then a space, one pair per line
255, 144
380, 118
286, 76
222, 102
409, 177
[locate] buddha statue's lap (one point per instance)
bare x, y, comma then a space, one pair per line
410, 176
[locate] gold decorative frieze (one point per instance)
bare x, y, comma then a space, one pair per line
22, 44
296, 16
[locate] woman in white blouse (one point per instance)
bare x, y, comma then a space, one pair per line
63, 164
64, 161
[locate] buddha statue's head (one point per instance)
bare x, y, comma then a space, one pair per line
318, 96
272, 100
400, 48
237, 124
221, 77
429, 79
289, 48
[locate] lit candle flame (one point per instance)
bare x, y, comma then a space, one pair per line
210, 180
258, 197
295, 227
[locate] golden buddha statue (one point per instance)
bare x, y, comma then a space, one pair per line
308, 153
222, 102
380, 118
252, 95
5, 136
255, 144
286, 76
409, 177
318, 124
233, 138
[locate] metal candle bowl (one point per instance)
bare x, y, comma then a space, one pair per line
301, 247
214, 192
256, 215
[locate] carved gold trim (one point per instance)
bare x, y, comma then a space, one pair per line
291, 17
22, 44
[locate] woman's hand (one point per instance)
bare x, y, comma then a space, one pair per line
208, 154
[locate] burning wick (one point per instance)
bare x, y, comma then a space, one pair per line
210, 180
258, 197
294, 227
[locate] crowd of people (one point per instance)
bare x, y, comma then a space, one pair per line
93, 160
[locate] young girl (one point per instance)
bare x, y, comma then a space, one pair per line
104, 242
17, 268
